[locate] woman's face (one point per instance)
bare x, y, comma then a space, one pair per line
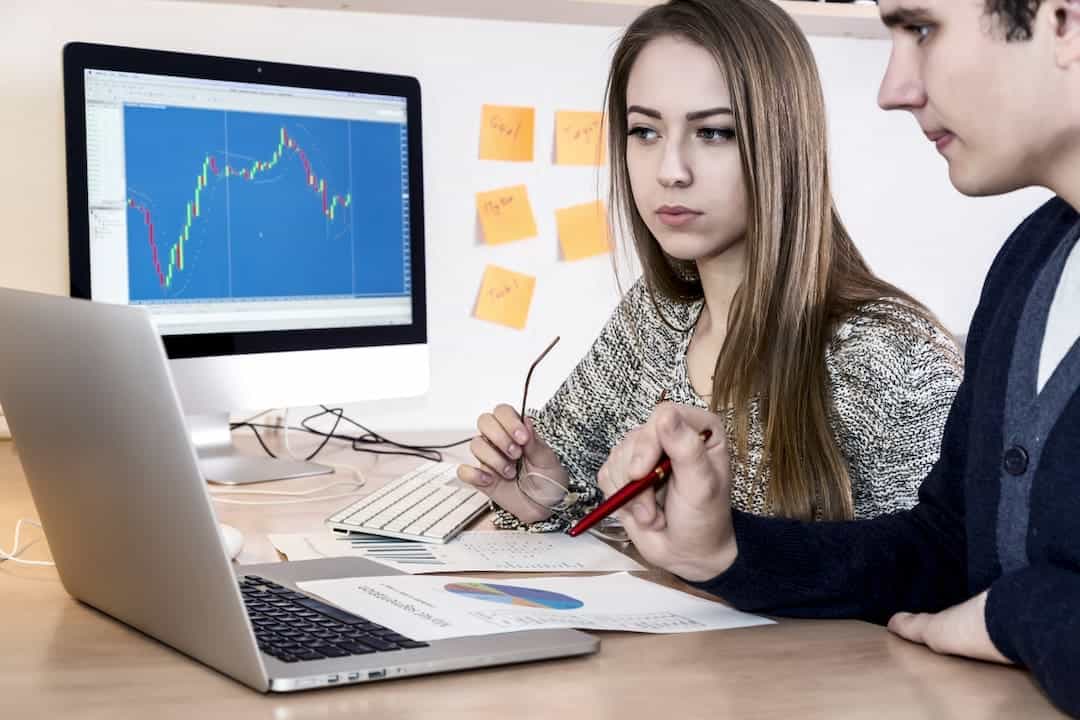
683, 160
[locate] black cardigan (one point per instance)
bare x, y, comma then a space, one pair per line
999, 510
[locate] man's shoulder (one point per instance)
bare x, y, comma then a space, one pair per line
1040, 232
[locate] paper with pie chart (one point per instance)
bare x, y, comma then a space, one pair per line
426, 607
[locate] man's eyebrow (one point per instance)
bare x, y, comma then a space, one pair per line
906, 16
696, 115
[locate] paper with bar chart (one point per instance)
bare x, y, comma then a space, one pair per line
244, 205
470, 551
428, 607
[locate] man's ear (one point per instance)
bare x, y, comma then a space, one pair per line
1065, 18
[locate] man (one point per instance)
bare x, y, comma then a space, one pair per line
987, 565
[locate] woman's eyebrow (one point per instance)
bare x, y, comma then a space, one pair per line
696, 115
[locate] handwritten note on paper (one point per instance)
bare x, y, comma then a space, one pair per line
579, 138
505, 297
506, 133
583, 231
505, 215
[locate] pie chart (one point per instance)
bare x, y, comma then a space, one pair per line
514, 595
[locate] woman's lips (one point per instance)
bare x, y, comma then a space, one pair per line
677, 215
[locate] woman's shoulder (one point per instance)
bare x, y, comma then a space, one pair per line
889, 339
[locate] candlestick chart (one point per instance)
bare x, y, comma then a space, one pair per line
242, 205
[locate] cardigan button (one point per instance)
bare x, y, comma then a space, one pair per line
1016, 460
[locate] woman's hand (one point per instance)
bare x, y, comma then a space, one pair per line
690, 534
504, 439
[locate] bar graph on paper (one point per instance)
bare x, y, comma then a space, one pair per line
472, 550
242, 205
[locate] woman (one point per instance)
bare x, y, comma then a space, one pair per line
754, 301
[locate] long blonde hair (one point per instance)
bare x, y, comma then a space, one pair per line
804, 274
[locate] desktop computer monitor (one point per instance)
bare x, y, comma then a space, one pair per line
269, 216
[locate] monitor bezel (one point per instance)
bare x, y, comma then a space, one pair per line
79, 57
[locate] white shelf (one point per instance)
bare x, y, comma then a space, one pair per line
816, 18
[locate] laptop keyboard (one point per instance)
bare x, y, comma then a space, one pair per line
294, 627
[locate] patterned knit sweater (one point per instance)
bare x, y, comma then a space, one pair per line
891, 383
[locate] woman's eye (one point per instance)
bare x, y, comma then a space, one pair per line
716, 134
643, 133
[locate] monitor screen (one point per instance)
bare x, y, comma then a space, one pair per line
268, 216
251, 207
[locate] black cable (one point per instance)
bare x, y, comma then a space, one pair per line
358, 442
255, 429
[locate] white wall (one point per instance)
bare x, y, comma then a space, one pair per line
891, 185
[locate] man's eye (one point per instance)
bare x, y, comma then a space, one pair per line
921, 32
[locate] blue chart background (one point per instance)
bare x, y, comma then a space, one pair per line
267, 237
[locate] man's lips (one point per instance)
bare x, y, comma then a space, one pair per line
940, 138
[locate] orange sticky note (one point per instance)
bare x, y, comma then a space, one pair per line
583, 231
506, 133
505, 215
505, 297
579, 138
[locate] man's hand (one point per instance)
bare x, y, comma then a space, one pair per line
959, 630
691, 534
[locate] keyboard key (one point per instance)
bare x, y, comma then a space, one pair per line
356, 648
330, 651
411, 644
331, 611
378, 643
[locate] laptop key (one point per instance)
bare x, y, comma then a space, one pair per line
379, 644
356, 648
330, 651
330, 611
412, 644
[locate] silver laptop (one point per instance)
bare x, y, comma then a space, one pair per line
103, 442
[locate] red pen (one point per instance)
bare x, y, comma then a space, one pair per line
629, 491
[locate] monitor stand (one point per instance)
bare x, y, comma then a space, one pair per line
222, 463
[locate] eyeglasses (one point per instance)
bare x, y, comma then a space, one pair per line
549, 493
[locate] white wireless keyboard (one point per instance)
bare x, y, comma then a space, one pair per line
428, 504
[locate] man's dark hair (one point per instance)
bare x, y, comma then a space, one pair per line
1015, 16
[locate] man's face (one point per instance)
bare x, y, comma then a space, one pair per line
993, 108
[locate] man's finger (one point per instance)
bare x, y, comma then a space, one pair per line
701, 465
644, 508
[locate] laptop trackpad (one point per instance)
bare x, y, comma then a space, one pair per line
290, 573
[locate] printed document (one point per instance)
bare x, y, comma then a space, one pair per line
471, 551
439, 607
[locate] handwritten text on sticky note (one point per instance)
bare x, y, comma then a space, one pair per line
505, 297
583, 231
505, 215
579, 138
506, 133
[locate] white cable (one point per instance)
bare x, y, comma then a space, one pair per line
4, 555
253, 418
285, 424
356, 484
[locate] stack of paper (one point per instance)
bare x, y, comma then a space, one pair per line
474, 551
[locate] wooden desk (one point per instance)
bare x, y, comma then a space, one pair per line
61, 659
